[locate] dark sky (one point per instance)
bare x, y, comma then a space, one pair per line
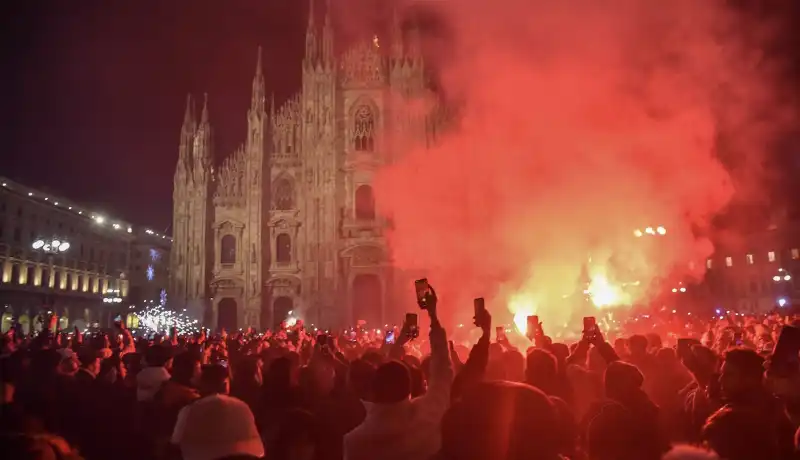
92, 92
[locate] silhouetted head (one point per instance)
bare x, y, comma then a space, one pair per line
501, 421
742, 372
392, 383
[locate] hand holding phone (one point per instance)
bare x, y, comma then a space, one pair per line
590, 332
426, 296
482, 318
534, 327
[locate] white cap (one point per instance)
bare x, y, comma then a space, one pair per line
215, 427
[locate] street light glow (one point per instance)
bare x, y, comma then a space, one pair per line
53, 246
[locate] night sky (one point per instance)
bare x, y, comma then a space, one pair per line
93, 91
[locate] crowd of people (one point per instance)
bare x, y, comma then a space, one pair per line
301, 395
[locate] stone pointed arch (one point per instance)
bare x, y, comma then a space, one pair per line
363, 122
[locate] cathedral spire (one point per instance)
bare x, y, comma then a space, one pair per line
258, 96
311, 36
204, 115
188, 115
258, 63
327, 36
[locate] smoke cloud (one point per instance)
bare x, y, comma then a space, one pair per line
579, 122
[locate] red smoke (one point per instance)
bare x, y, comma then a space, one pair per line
578, 122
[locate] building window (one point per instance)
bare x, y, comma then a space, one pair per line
228, 250
729, 261
365, 203
749, 259
283, 249
284, 195
363, 130
795, 253
771, 256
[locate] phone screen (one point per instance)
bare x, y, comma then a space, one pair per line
390, 339
422, 288
413, 326
480, 306
533, 325
788, 345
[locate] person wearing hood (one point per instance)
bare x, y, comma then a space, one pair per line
150, 379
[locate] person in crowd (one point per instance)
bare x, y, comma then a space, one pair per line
501, 420
398, 426
291, 394
232, 434
150, 379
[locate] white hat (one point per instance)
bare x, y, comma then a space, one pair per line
216, 427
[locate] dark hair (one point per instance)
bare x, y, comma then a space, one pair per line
746, 361
361, 375
183, 366
637, 343
157, 355
392, 383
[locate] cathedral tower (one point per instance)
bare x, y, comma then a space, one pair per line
191, 212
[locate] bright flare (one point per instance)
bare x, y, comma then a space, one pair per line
604, 294
522, 305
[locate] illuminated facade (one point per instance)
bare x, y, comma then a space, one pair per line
78, 280
287, 223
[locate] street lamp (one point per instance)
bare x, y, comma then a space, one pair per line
112, 296
650, 231
51, 245
782, 275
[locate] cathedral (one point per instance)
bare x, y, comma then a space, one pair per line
286, 226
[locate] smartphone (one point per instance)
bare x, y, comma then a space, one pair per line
390, 338
413, 325
500, 332
533, 326
423, 290
589, 327
737, 339
480, 306
223, 363
787, 348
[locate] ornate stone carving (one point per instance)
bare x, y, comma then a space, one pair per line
286, 129
367, 256
363, 66
231, 181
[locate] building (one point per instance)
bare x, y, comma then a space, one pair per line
287, 223
755, 274
57, 255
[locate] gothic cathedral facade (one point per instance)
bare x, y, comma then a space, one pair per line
287, 225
